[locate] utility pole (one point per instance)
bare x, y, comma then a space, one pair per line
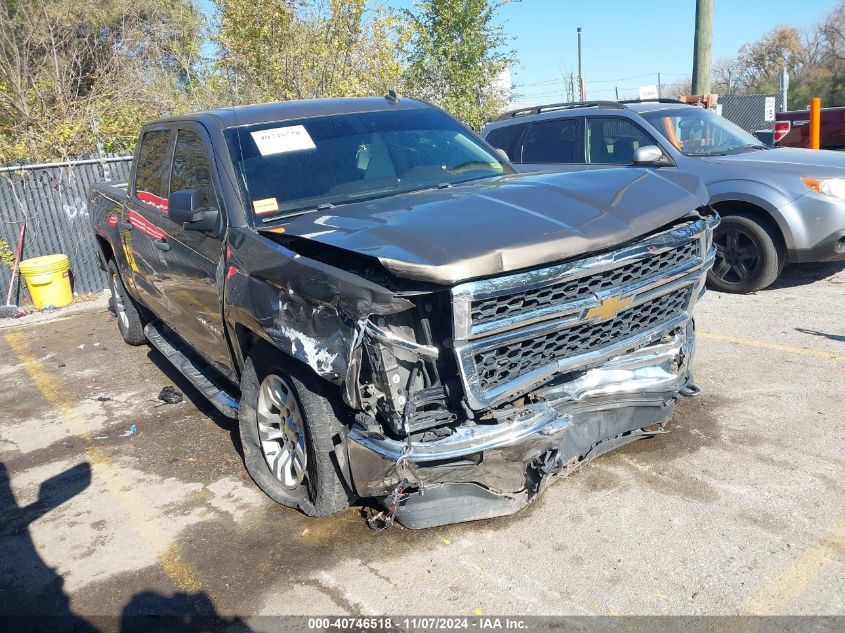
580, 75
659, 87
701, 53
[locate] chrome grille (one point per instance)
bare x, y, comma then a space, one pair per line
494, 308
515, 332
508, 362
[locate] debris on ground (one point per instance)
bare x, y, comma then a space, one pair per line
170, 395
131, 431
101, 437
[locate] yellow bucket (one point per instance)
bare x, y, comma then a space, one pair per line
48, 280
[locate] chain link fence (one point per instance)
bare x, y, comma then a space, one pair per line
52, 200
749, 111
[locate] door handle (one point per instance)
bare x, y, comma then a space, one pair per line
161, 244
125, 225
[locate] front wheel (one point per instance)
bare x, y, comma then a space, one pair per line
289, 430
748, 257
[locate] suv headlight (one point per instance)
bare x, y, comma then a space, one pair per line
833, 187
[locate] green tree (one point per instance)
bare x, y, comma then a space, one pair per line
758, 66
65, 65
300, 49
455, 56
814, 59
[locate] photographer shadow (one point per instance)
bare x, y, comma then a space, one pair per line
32, 596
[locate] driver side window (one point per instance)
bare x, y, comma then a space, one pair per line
191, 169
613, 141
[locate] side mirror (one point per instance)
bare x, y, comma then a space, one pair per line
502, 153
183, 207
651, 155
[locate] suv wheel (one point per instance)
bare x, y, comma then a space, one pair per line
129, 320
748, 257
288, 431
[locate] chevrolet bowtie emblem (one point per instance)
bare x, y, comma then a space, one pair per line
608, 308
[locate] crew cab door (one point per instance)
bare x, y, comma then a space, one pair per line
142, 233
194, 259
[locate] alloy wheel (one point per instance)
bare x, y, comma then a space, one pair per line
119, 303
281, 431
738, 257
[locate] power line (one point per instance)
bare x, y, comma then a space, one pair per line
562, 80
543, 83
613, 81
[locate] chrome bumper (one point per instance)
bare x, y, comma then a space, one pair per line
625, 394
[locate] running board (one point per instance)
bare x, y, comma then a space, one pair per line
222, 400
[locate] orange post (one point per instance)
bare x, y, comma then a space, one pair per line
815, 122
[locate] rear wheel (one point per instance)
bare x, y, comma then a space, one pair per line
748, 255
289, 429
128, 315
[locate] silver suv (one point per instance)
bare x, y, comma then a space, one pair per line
777, 204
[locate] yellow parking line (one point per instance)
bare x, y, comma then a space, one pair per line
750, 342
787, 585
148, 527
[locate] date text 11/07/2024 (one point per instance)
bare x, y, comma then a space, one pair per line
386, 624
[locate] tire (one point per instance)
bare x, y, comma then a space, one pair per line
129, 320
311, 428
749, 256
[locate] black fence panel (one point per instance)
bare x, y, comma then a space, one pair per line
749, 111
51, 198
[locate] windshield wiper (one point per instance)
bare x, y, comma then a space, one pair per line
320, 207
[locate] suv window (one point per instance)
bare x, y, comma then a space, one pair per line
151, 178
507, 138
557, 141
191, 168
612, 140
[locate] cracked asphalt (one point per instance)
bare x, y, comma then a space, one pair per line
145, 507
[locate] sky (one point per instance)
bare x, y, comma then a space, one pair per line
625, 43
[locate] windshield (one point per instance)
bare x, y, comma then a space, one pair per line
298, 166
699, 132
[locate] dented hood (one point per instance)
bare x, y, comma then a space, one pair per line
503, 224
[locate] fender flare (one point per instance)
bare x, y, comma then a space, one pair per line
763, 198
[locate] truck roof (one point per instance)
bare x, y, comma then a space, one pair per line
285, 110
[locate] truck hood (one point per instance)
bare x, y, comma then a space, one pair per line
791, 160
507, 223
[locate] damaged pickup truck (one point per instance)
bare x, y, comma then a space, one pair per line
392, 313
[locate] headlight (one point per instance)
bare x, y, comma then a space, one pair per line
833, 187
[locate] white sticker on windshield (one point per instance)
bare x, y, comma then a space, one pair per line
283, 139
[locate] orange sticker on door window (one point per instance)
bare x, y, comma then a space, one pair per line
266, 205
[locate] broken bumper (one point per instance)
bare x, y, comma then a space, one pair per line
493, 469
